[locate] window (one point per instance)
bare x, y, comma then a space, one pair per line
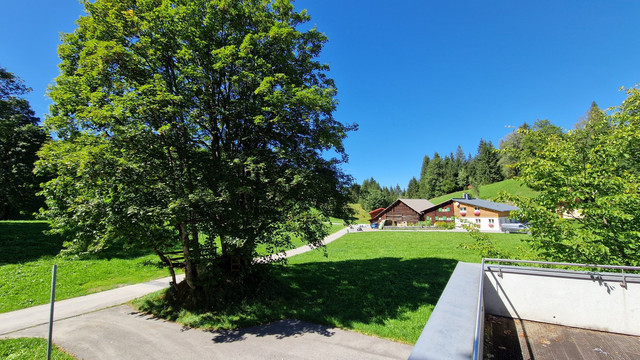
463, 208
490, 221
478, 221
477, 208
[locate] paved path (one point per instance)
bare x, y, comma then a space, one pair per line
122, 333
97, 326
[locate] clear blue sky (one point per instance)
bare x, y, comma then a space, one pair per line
419, 76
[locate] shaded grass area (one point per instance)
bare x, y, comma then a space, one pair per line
22, 241
27, 257
379, 283
30, 348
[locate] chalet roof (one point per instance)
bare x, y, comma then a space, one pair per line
486, 204
417, 205
375, 210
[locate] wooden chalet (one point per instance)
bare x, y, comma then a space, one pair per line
402, 212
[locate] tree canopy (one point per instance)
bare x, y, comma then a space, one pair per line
20, 139
588, 181
204, 121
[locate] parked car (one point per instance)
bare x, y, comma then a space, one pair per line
514, 228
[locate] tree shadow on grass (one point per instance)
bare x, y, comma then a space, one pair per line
26, 241
343, 293
367, 291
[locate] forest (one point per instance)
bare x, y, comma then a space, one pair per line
440, 175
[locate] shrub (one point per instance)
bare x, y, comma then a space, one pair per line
445, 225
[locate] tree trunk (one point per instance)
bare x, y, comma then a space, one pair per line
190, 272
171, 269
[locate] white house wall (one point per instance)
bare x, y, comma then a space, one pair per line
484, 222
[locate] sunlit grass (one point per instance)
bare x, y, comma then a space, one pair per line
27, 258
29, 348
379, 283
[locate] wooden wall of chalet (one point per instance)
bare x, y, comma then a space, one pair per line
399, 213
484, 212
444, 212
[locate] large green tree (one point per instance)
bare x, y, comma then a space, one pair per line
588, 183
185, 120
20, 139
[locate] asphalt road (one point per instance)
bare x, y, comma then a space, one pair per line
122, 333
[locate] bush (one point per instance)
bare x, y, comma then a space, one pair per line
445, 225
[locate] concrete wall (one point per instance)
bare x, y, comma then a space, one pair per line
450, 331
579, 299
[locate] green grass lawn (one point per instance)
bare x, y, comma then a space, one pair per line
360, 214
379, 283
491, 191
29, 348
27, 257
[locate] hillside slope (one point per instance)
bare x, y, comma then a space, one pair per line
491, 191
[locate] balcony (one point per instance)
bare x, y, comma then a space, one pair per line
496, 310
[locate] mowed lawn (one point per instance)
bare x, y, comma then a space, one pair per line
30, 349
379, 283
27, 257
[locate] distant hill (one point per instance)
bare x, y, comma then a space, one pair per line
361, 215
491, 191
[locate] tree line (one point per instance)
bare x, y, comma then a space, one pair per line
457, 171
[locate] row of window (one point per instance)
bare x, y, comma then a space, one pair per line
491, 221
444, 209
442, 218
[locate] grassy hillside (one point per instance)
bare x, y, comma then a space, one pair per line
361, 215
491, 191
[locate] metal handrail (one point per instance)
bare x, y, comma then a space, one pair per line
613, 267
476, 345
476, 339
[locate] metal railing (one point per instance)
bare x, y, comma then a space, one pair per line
477, 350
477, 343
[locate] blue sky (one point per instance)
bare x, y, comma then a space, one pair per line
419, 76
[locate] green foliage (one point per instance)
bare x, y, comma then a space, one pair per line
30, 348
182, 118
20, 139
373, 196
485, 166
592, 175
378, 283
431, 178
413, 189
483, 243
522, 143
445, 225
